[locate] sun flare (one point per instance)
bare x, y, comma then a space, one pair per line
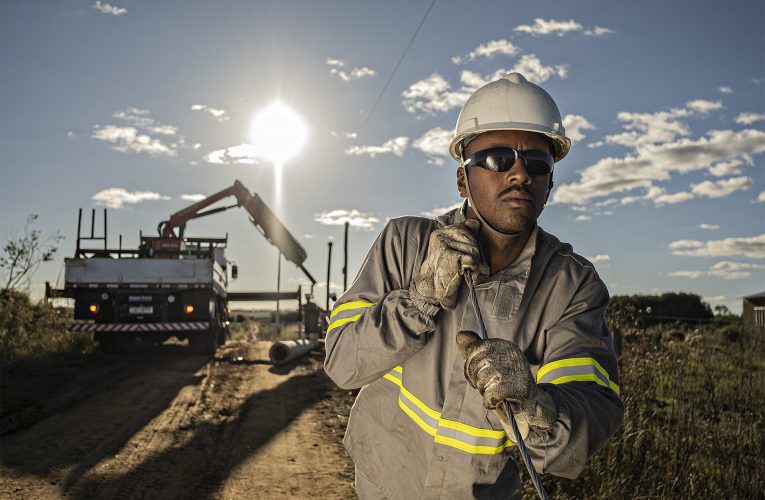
278, 133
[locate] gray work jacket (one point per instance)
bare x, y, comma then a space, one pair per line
417, 428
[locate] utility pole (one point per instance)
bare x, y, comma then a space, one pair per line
329, 269
345, 257
278, 289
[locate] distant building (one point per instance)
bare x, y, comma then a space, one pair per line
754, 310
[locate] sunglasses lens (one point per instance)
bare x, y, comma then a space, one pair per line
537, 167
498, 163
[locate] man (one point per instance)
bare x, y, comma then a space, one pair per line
428, 421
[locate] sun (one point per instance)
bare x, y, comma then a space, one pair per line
278, 133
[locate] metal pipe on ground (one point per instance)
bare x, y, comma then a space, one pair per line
286, 350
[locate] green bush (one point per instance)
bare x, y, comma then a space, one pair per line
30, 331
693, 425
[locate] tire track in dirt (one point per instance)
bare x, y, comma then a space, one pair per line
234, 427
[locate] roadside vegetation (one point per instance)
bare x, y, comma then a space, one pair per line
694, 424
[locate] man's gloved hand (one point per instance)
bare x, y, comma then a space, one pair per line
499, 370
452, 250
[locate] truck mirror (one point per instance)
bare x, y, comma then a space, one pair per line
234, 271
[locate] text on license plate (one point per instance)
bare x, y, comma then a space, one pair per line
141, 310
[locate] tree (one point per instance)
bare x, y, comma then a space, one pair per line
22, 256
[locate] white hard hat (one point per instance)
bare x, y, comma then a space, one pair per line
510, 103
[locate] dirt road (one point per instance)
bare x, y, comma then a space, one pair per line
161, 423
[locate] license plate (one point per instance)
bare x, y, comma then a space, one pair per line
139, 298
141, 310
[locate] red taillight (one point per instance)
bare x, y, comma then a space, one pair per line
93, 308
188, 309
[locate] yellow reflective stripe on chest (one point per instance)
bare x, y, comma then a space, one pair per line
575, 370
344, 310
464, 437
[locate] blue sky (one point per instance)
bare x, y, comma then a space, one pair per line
136, 105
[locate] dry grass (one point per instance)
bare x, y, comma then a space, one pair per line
694, 422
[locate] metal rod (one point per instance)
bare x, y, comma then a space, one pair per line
345, 257
329, 270
106, 234
93, 223
79, 225
513, 424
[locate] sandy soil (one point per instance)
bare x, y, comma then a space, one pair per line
161, 423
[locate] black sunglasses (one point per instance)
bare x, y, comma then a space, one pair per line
502, 159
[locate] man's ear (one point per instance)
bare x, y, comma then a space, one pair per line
461, 182
549, 188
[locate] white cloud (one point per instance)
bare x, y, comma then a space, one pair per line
242, 154
197, 145
598, 31
551, 26
433, 94
435, 144
680, 244
193, 197
543, 27
309, 236
724, 89
733, 270
710, 227
725, 270
713, 298
722, 188
723, 168
574, 125
761, 197
128, 139
703, 106
432, 214
354, 74
654, 163
109, 9
599, 258
119, 197
582, 218
217, 113
752, 247
488, 50
355, 218
344, 135
532, 68
396, 146
671, 199
747, 118
136, 135
686, 274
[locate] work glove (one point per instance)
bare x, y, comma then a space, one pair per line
499, 370
452, 250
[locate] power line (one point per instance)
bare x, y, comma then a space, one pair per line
393, 73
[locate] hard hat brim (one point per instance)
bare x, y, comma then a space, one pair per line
561, 142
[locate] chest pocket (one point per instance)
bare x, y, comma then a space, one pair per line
505, 300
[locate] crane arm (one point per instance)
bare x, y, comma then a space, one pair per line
260, 215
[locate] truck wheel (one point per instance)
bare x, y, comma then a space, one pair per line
203, 343
115, 344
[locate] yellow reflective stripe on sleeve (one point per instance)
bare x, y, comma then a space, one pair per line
469, 448
341, 322
357, 304
474, 431
451, 433
576, 370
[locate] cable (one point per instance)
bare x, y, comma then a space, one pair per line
513, 424
393, 73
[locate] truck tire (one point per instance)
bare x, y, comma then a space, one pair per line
203, 343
